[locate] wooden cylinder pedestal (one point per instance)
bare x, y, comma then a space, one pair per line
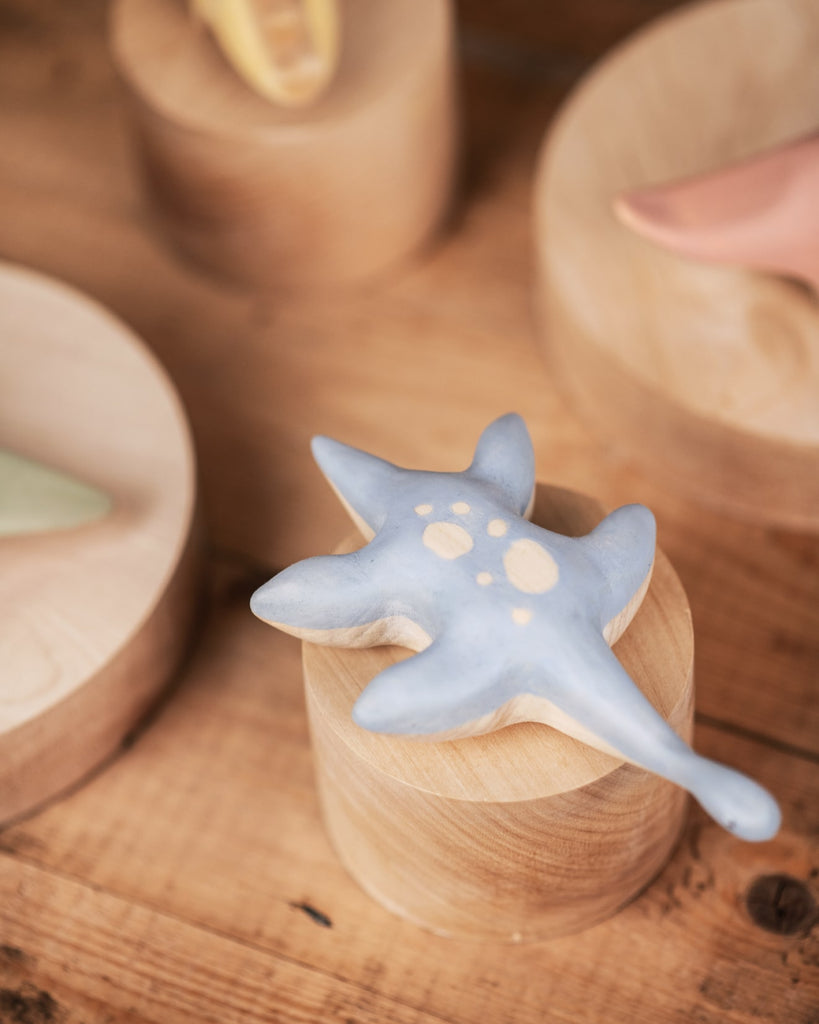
707, 375
265, 195
518, 835
97, 616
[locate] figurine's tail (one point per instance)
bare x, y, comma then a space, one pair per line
611, 708
738, 803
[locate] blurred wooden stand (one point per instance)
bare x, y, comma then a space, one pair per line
707, 375
267, 196
95, 618
520, 834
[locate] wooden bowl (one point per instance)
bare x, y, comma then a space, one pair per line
521, 834
707, 375
96, 617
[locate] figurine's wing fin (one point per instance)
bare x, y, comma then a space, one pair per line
505, 458
594, 690
622, 547
437, 691
329, 595
362, 482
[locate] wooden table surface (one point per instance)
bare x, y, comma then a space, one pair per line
191, 879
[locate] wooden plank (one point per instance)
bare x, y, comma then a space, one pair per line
211, 818
73, 954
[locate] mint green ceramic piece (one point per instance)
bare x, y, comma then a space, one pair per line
35, 498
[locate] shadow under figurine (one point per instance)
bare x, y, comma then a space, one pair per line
512, 621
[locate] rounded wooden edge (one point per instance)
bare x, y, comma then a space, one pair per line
53, 749
738, 469
752, 478
47, 757
516, 763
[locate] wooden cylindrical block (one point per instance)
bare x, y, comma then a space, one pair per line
96, 617
265, 195
521, 834
706, 374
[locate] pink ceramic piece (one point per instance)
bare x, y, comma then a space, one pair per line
761, 213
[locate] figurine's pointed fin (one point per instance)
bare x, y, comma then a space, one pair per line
436, 691
761, 213
622, 546
594, 690
327, 594
504, 457
361, 481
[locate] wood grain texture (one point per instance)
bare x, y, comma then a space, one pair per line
264, 195
203, 841
235, 848
708, 375
95, 618
520, 834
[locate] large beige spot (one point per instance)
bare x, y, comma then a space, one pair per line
529, 567
447, 540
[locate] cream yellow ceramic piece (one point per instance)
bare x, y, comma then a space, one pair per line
285, 50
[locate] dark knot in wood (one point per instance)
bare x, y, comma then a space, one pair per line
781, 904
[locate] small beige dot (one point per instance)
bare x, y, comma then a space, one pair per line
423, 510
447, 540
497, 528
529, 567
484, 578
460, 508
522, 616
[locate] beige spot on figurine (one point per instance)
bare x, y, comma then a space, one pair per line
484, 578
522, 616
423, 510
529, 567
447, 540
460, 508
497, 527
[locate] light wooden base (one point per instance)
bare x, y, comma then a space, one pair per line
94, 618
706, 374
521, 834
270, 196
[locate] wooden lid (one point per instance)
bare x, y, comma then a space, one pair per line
521, 762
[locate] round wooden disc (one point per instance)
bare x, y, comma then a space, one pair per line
266, 195
708, 374
521, 833
94, 617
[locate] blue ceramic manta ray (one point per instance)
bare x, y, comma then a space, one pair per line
513, 621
